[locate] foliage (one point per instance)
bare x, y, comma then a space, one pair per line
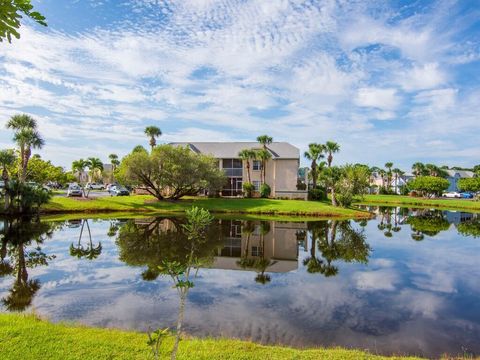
171, 172
301, 185
470, 228
10, 15
155, 339
265, 190
41, 171
153, 132
429, 185
427, 223
469, 184
348, 181
248, 189
314, 154
318, 194
26, 199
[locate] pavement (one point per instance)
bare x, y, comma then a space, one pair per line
92, 194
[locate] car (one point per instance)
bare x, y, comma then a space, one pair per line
94, 186
74, 190
118, 190
466, 195
452, 194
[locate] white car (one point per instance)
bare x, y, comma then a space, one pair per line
452, 194
94, 186
74, 190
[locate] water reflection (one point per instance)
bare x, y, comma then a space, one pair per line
15, 259
368, 284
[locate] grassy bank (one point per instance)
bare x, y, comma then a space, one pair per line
148, 204
26, 337
444, 204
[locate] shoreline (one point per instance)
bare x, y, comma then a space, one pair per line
26, 336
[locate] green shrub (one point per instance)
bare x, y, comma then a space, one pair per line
265, 190
301, 185
248, 189
317, 194
344, 198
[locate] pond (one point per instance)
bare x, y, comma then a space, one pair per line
406, 282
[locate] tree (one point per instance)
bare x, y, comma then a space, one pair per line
27, 137
469, 184
153, 132
7, 159
79, 166
429, 185
95, 167
331, 147
263, 155
114, 162
418, 169
247, 155
10, 15
389, 166
314, 154
41, 171
171, 172
353, 181
397, 173
330, 176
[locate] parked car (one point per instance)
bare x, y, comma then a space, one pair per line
117, 190
452, 194
466, 195
94, 186
74, 190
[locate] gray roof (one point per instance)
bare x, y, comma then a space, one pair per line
226, 150
461, 173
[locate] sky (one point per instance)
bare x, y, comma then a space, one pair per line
388, 80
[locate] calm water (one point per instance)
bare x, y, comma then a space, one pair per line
405, 282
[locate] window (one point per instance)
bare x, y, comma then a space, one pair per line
257, 165
257, 251
256, 183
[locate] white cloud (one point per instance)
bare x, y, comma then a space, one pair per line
422, 77
386, 99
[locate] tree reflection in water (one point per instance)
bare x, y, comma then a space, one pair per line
427, 222
89, 252
16, 257
336, 241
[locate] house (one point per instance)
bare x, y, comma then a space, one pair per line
396, 184
455, 175
281, 170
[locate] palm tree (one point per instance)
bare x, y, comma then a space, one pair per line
314, 154
79, 166
331, 147
153, 132
264, 155
114, 162
27, 137
389, 166
264, 140
398, 173
247, 155
418, 168
7, 159
95, 166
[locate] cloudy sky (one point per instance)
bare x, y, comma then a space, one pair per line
390, 82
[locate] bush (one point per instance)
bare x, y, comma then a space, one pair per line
318, 194
344, 198
248, 189
265, 190
386, 191
301, 185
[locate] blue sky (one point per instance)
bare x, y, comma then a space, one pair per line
390, 81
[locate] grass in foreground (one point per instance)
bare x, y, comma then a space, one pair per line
444, 204
26, 337
145, 203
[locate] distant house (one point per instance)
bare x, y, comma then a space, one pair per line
455, 175
281, 169
85, 175
376, 182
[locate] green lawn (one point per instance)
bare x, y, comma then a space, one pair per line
445, 204
146, 203
26, 337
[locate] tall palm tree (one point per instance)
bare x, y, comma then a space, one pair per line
27, 137
247, 155
418, 168
264, 155
79, 166
95, 166
397, 173
264, 140
389, 166
114, 162
330, 148
314, 153
153, 132
7, 159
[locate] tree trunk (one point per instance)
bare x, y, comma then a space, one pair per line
334, 200
181, 311
7, 189
314, 174
26, 157
248, 172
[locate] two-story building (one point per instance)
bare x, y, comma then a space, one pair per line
281, 171
455, 175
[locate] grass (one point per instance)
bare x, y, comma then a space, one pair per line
27, 337
443, 204
146, 203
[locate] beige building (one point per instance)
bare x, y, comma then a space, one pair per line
281, 169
